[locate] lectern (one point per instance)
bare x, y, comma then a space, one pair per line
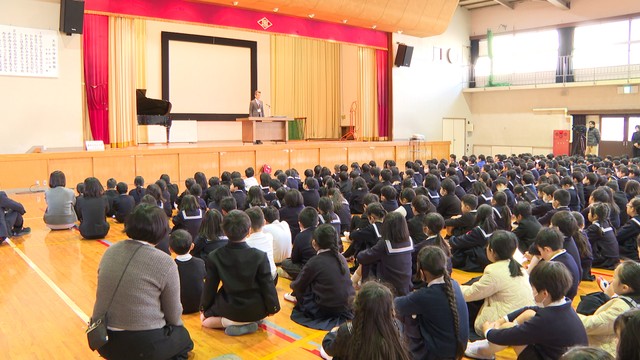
265, 129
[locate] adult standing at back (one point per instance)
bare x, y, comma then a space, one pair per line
593, 139
635, 142
143, 308
60, 213
256, 108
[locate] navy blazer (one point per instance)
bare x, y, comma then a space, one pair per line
393, 263
627, 236
468, 251
7, 205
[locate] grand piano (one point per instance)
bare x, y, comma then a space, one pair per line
153, 111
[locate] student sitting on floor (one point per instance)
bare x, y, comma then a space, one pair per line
191, 270
280, 232
11, 222
302, 250
627, 327
468, 250
435, 316
549, 243
189, 216
327, 216
210, 236
528, 226
504, 285
247, 294
406, 197
391, 255
544, 331
629, 232
323, 291
501, 211
93, 209
372, 334
449, 204
618, 297
260, 240
604, 245
60, 213
138, 192
358, 222
123, 204
432, 225
462, 224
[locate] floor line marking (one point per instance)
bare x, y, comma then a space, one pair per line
67, 300
293, 345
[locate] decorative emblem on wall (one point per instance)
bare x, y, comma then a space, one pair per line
265, 23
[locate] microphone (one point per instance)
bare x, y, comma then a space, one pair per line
268, 105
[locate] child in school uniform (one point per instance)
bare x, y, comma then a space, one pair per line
468, 250
501, 184
210, 236
483, 193
406, 197
567, 184
247, 294
123, 204
189, 216
544, 203
138, 192
629, 232
196, 190
501, 211
432, 183
93, 208
545, 331
11, 221
260, 240
358, 192
575, 231
391, 255
549, 243
388, 195
191, 270
462, 224
449, 204
435, 316
323, 290
432, 225
310, 193
280, 232
327, 216
606, 254
561, 199
366, 336
293, 203
237, 191
302, 250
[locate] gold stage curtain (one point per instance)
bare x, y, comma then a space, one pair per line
140, 28
367, 112
305, 82
122, 81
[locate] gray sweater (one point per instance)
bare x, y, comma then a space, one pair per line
60, 202
149, 294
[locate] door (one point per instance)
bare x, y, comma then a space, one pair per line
616, 132
453, 130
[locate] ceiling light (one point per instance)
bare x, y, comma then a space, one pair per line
374, 27
344, 21
275, 9
312, 16
235, 3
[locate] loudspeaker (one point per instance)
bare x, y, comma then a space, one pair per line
403, 56
71, 16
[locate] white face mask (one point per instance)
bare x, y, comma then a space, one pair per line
540, 303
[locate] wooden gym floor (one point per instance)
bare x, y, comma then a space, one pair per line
47, 290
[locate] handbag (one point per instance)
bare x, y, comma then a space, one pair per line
97, 335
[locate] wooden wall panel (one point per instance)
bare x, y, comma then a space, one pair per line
440, 150
237, 160
331, 156
121, 168
75, 170
23, 174
191, 163
277, 159
402, 154
150, 167
302, 159
359, 154
382, 153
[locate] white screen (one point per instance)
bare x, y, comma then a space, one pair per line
208, 78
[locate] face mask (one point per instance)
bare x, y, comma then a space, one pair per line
540, 303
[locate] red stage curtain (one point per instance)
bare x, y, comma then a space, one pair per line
382, 73
96, 73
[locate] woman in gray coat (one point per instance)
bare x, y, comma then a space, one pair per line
60, 202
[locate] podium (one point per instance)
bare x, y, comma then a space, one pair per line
265, 129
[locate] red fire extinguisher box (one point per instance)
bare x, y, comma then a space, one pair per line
561, 144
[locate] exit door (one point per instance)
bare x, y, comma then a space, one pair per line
454, 130
615, 133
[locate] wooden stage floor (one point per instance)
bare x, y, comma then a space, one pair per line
47, 291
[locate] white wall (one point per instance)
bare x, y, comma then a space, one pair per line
41, 111
207, 130
537, 14
431, 88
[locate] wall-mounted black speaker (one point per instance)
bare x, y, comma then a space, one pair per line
71, 16
403, 56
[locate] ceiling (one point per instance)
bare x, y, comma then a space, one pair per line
477, 4
419, 18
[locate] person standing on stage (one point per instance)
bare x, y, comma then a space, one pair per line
635, 142
593, 139
256, 108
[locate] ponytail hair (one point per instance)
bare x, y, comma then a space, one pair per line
325, 236
504, 244
485, 219
376, 210
433, 260
602, 211
435, 223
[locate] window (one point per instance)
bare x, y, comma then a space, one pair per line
519, 53
607, 44
612, 128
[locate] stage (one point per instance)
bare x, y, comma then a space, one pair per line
182, 160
